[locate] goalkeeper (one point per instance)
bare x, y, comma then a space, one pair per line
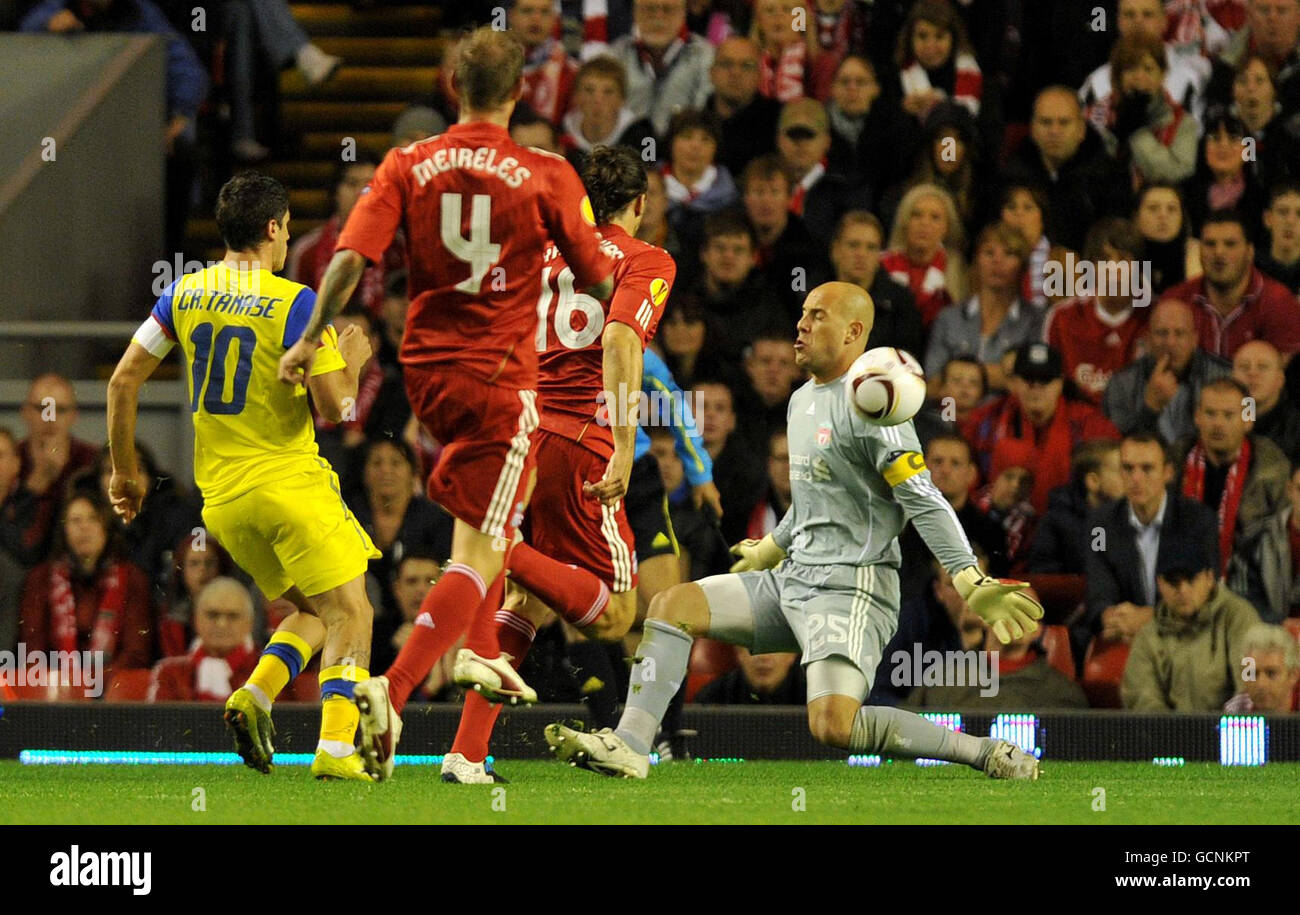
825, 581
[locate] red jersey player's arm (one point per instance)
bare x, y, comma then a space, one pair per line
568, 215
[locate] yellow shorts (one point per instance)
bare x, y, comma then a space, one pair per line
294, 531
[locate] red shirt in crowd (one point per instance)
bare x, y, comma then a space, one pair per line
311, 254
1268, 311
478, 209
548, 81
571, 377
134, 639
1094, 345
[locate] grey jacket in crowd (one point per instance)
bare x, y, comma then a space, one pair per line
685, 83
1261, 570
1124, 401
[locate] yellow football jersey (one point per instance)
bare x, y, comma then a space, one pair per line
233, 326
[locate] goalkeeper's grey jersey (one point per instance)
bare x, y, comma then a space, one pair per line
854, 484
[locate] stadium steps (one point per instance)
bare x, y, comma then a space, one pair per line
390, 60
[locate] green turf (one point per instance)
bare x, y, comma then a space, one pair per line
749, 792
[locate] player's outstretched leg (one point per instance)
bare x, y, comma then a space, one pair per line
841, 721
657, 675
248, 709
347, 615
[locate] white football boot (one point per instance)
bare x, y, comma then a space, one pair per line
459, 770
492, 678
379, 725
599, 751
1006, 760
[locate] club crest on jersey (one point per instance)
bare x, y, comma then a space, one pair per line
823, 436
587, 212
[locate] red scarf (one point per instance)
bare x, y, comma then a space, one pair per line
782, 77
799, 196
63, 609
1229, 502
213, 676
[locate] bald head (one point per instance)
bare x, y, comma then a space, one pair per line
50, 408
1172, 333
833, 330
1058, 127
1258, 365
223, 616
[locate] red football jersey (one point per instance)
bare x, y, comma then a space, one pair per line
571, 376
478, 211
1094, 347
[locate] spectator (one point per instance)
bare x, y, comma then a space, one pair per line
1062, 539
1144, 127
695, 185
87, 597
953, 472
1281, 261
310, 254
1024, 207
196, 561
787, 253
686, 339
222, 656
1234, 302
776, 500
1005, 498
1185, 659
1162, 222
738, 472
948, 156
1258, 366
925, 250
656, 229
1268, 673
1025, 681
168, 514
666, 72
819, 195
1067, 158
748, 119
963, 385
1273, 32
413, 575
416, 123
732, 290
1276, 137
702, 550
994, 321
186, 83
772, 373
792, 65
395, 516
530, 129
936, 61
1264, 570
1240, 476
549, 73
1184, 75
759, 679
861, 115
1203, 28
1222, 181
855, 254
1157, 394
51, 455
1099, 332
599, 116
1146, 529
1037, 411
17, 511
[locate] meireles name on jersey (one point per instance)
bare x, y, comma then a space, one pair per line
103, 868
52, 669
483, 159
659, 408
1112, 279
945, 668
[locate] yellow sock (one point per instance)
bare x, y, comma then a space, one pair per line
283, 659
338, 719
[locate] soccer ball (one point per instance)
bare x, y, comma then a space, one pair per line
886, 385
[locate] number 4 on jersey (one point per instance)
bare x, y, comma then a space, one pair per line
478, 250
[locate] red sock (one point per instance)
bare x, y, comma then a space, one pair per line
575, 594
479, 717
444, 614
482, 638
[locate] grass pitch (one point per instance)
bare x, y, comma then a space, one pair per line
544, 792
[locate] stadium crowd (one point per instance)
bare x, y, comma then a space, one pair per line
1083, 218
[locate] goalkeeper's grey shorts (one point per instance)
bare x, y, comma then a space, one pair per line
821, 611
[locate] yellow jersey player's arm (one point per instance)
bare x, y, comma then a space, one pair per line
126, 489
336, 372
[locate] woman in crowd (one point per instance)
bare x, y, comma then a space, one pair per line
1277, 138
860, 115
925, 250
936, 61
88, 596
1024, 208
196, 561
1173, 254
1222, 180
949, 157
792, 64
686, 339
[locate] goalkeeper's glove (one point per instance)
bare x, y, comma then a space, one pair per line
756, 555
1000, 602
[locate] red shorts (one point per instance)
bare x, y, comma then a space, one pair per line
485, 468
571, 527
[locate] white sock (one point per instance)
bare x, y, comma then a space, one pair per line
336, 748
262, 700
